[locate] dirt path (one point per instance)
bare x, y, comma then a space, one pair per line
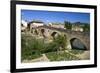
43, 58
73, 54
85, 55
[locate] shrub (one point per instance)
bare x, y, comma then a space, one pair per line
32, 47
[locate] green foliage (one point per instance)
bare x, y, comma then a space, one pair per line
33, 47
76, 51
68, 25
86, 27
61, 41
30, 50
64, 56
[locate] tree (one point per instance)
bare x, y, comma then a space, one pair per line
61, 42
86, 27
68, 25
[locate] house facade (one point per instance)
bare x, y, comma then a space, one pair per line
77, 28
34, 24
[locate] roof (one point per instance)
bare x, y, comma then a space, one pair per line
35, 21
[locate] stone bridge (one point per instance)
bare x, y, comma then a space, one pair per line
84, 37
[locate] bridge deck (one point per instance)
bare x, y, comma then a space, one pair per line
64, 30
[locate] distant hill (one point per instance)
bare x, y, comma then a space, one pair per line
80, 23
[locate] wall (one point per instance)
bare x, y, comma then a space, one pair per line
5, 37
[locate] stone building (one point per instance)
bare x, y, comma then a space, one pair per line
76, 27
34, 24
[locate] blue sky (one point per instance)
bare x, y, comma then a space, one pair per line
53, 16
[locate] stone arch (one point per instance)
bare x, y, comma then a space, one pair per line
54, 34
77, 44
36, 31
42, 31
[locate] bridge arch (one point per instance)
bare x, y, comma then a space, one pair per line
54, 34
82, 36
42, 31
77, 44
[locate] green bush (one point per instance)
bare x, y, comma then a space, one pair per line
68, 25
61, 41
53, 56
32, 47
29, 48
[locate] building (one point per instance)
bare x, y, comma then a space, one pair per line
77, 28
34, 24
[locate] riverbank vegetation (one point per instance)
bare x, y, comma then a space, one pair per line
33, 47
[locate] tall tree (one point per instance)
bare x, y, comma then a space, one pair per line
86, 27
68, 25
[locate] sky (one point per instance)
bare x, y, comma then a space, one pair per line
54, 16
